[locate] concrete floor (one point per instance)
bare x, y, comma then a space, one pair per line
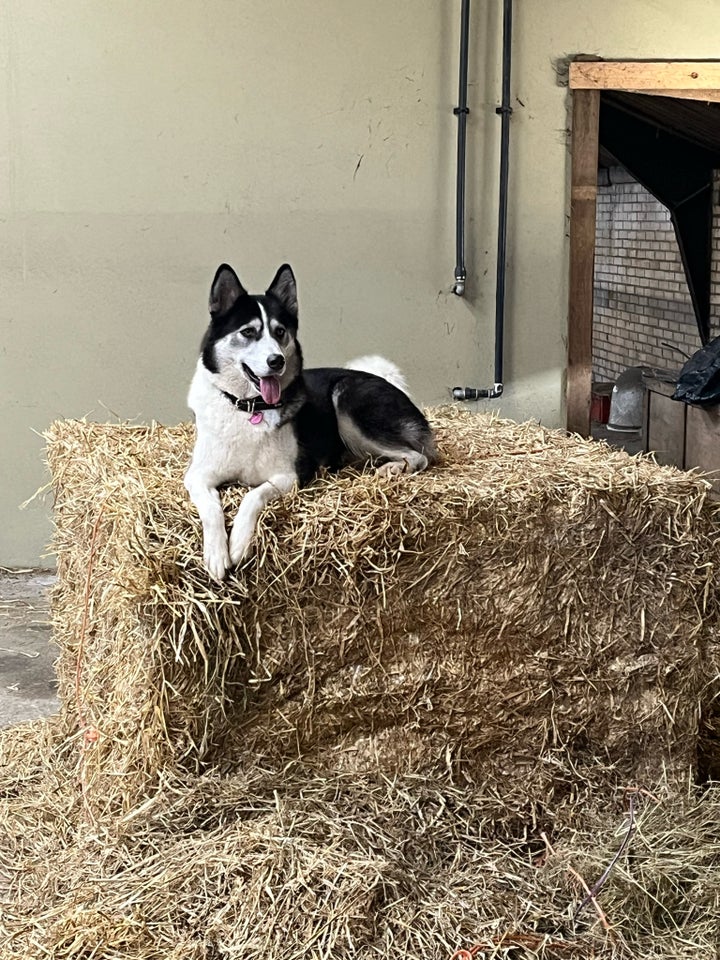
27, 654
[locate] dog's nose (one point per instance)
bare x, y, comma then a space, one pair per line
276, 361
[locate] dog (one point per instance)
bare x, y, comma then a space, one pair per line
265, 422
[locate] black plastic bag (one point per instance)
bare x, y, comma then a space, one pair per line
699, 380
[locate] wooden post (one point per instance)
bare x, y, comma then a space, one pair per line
583, 194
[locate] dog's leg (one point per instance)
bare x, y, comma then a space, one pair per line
397, 452
253, 503
377, 421
215, 542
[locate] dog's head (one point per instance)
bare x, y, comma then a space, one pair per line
251, 343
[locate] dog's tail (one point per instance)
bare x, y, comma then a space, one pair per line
381, 368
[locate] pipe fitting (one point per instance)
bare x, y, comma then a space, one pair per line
469, 393
477, 393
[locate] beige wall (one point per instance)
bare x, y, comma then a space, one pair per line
144, 142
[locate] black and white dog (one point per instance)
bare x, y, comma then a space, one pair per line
265, 422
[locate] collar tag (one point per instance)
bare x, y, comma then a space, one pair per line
257, 417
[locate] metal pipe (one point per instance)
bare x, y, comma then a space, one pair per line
461, 112
478, 393
505, 112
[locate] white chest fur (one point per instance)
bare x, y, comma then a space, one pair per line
229, 447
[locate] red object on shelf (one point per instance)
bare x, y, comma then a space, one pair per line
600, 408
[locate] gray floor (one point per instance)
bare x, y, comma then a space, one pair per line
27, 654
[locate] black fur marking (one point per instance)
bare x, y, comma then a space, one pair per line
380, 410
243, 311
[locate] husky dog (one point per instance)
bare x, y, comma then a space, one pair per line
264, 421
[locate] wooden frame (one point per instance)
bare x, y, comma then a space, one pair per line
698, 80
583, 195
688, 78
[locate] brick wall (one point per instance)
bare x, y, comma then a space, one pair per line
642, 302
715, 266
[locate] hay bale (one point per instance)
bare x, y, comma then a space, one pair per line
532, 615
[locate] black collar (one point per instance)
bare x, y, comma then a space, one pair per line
252, 404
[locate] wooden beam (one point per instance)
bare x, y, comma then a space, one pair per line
583, 194
661, 76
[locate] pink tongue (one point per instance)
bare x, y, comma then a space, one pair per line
270, 389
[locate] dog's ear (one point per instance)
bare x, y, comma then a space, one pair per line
284, 288
225, 290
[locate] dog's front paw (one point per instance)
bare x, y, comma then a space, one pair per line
241, 543
217, 559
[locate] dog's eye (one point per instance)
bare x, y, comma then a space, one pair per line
247, 332
280, 333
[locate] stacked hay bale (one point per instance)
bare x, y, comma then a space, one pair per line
405, 726
527, 614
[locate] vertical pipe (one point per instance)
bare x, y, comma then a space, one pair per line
505, 111
461, 112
